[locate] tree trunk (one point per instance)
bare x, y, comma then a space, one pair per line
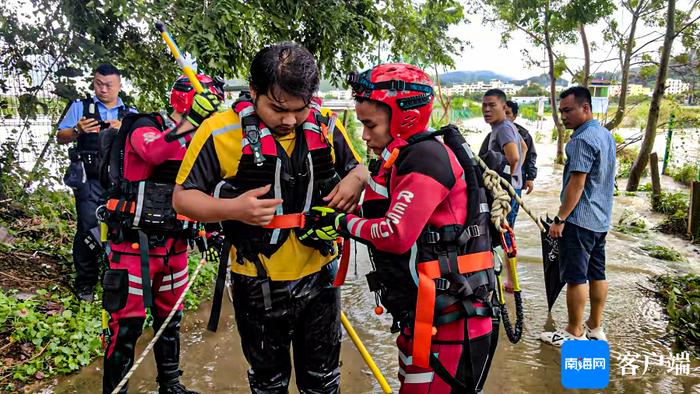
585, 81
654, 108
622, 102
444, 101
553, 95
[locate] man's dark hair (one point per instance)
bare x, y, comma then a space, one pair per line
581, 94
288, 67
107, 69
496, 93
513, 106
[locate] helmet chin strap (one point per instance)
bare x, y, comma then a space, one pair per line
174, 115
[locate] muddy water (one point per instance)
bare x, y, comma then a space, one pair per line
635, 323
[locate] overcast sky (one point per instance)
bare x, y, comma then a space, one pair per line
486, 52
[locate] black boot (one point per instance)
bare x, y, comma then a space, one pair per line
167, 353
119, 356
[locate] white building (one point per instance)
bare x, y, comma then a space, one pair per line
479, 87
676, 86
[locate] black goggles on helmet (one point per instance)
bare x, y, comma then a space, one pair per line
363, 87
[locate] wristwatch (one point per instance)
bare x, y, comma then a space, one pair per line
558, 220
76, 131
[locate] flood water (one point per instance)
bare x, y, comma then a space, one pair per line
635, 324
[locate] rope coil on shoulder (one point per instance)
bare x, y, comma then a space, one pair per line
493, 182
500, 208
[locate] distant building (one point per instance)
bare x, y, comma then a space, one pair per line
633, 89
479, 87
676, 86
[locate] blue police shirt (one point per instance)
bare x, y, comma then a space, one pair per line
75, 112
592, 150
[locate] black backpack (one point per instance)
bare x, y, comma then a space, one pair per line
112, 146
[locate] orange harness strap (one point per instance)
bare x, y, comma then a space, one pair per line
425, 304
290, 220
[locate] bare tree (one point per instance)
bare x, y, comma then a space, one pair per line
627, 48
659, 88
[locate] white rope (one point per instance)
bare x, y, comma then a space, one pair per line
501, 200
500, 208
160, 331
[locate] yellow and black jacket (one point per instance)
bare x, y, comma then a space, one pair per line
220, 151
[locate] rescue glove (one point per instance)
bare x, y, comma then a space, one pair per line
203, 106
322, 224
215, 242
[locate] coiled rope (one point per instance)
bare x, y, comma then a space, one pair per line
501, 198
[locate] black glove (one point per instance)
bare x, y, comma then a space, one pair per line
215, 243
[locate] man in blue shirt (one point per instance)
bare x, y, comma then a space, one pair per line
584, 217
81, 123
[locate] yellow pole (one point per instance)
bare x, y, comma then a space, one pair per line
186, 68
365, 354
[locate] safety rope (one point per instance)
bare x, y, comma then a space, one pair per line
153, 341
514, 335
500, 208
501, 200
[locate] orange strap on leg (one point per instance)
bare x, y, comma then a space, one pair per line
344, 264
425, 310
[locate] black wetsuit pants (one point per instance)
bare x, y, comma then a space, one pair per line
306, 315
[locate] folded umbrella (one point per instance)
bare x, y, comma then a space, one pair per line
550, 260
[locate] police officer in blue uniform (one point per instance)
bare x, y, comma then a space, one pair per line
81, 123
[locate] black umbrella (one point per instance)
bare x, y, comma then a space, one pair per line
550, 262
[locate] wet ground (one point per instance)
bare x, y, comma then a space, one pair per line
635, 324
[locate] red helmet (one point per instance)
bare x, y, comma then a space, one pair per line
182, 92
406, 89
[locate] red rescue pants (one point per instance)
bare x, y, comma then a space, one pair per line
448, 346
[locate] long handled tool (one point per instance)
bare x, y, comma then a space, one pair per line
365, 354
186, 67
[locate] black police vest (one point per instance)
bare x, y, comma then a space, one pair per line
88, 142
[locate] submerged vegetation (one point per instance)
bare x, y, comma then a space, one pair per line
675, 207
680, 297
663, 253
